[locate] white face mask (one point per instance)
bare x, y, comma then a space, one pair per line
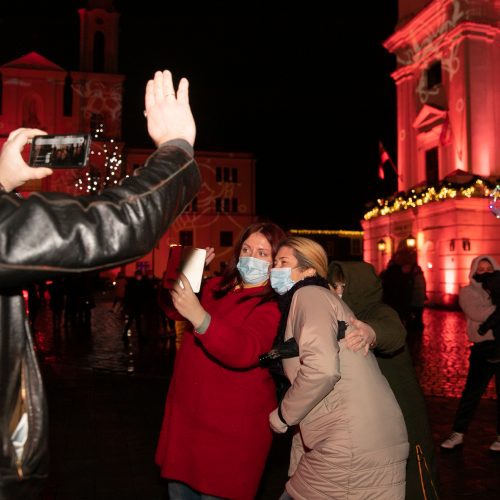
281, 279
253, 271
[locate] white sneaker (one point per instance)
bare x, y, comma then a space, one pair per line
456, 440
495, 446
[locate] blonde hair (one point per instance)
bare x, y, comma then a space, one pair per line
308, 253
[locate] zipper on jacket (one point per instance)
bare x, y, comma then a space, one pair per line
19, 464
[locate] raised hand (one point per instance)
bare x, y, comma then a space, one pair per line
168, 113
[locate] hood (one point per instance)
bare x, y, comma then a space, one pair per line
363, 286
474, 264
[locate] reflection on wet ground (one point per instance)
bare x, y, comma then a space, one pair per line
440, 352
106, 401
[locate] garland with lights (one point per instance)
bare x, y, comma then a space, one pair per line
495, 201
477, 187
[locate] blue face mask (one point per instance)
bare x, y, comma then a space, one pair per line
281, 279
253, 271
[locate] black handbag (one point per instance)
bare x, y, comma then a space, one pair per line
22, 392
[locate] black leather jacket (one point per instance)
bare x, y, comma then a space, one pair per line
51, 234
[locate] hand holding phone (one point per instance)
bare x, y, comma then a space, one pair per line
60, 151
187, 260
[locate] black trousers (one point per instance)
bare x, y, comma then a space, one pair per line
478, 378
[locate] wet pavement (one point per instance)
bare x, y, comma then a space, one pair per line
106, 401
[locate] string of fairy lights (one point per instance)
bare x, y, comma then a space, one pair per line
413, 198
495, 201
104, 152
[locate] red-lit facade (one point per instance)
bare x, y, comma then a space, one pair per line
36, 92
448, 125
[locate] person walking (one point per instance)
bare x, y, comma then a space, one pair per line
476, 304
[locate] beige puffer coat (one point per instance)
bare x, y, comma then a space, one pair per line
352, 442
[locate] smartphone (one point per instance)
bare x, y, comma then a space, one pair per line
187, 260
60, 151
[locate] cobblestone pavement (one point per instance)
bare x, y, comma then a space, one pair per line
106, 402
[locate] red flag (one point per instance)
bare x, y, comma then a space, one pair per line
384, 155
383, 158
445, 137
381, 172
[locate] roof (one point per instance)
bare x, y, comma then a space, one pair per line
33, 60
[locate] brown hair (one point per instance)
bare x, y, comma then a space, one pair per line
231, 276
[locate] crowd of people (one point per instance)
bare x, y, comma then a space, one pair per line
337, 331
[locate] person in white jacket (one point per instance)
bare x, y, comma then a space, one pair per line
476, 304
351, 440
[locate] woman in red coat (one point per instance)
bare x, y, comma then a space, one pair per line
215, 436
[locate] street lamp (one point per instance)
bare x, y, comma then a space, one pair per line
411, 241
381, 245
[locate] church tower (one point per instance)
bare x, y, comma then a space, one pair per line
99, 37
98, 89
448, 107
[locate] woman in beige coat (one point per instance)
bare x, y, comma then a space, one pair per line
351, 441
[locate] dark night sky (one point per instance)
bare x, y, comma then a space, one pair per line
273, 84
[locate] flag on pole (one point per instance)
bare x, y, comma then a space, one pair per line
445, 137
383, 158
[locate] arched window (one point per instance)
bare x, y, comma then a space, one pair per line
98, 58
68, 96
31, 112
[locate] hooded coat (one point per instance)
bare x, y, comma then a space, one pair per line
363, 294
353, 442
476, 303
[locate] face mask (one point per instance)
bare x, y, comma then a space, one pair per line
281, 279
481, 277
253, 271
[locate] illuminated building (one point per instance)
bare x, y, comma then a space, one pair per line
448, 107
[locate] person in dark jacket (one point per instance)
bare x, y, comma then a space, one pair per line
362, 292
491, 283
52, 235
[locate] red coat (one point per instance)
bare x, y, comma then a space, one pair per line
215, 435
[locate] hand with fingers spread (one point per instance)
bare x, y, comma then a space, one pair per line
168, 112
14, 171
362, 337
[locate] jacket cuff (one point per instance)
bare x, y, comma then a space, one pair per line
280, 415
180, 143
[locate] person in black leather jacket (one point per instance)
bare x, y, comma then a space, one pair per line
53, 234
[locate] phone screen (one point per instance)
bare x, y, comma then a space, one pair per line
60, 151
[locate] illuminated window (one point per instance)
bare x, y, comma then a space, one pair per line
434, 75
98, 62
356, 246
194, 204
226, 239
68, 97
186, 238
432, 166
